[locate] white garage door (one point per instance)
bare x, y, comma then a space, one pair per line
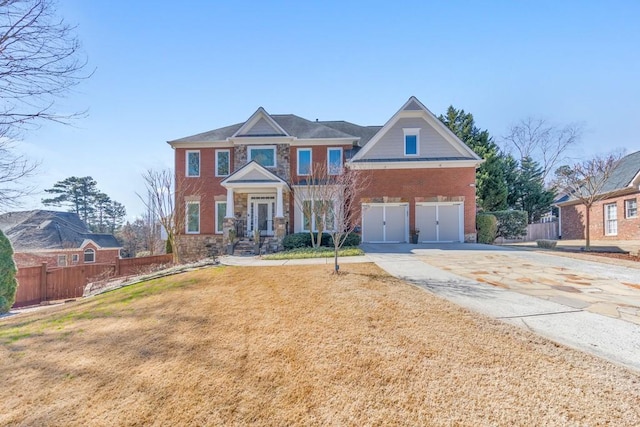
440, 222
385, 222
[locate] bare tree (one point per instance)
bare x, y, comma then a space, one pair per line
585, 181
40, 61
328, 202
545, 143
160, 200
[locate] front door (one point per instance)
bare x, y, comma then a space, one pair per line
260, 217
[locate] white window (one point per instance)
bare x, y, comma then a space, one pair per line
221, 212
334, 161
611, 219
264, 155
89, 255
223, 162
304, 161
193, 218
62, 260
412, 142
193, 163
631, 208
318, 213
75, 258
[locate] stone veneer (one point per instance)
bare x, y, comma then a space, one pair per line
193, 247
283, 158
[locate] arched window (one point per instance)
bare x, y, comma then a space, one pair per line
89, 255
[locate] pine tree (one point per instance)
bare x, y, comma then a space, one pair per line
8, 282
530, 194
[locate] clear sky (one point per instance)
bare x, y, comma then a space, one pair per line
169, 69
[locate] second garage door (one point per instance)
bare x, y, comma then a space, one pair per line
440, 222
385, 222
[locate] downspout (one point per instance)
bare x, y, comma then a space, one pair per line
559, 222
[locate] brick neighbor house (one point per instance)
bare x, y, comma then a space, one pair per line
615, 217
421, 176
58, 238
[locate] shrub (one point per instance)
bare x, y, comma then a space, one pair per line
487, 225
511, 224
303, 240
8, 282
352, 240
546, 243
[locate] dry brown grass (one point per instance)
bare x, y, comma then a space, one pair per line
294, 346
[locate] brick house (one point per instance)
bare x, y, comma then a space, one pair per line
58, 238
421, 177
615, 216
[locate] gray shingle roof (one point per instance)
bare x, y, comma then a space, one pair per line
365, 133
294, 125
41, 229
626, 169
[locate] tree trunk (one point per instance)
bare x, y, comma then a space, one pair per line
588, 226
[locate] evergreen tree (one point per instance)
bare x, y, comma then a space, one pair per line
491, 189
8, 282
76, 193
529, 191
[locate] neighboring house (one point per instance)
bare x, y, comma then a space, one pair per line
615, 216
421, 177
57, 238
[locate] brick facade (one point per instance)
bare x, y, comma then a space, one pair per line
423, 185
573, 221
32, 258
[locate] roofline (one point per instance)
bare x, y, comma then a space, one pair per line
291, 140
421, 164
602, 196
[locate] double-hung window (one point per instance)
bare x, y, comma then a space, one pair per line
318, 214
193, 217
89, 255
334, 161
223, 162
611, 219
304, 161
412, 142
193, 163
631, 208
264, 155
221, 212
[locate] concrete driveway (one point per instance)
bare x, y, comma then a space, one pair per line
589, 305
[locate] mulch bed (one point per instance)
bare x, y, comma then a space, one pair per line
627, 257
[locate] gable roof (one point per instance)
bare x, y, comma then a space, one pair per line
625, 174
365, 133
291, 125
42, 229
268, 126
414, 108
253, 173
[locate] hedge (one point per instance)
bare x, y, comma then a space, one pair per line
8, 282
487, 225
511, 224
303, 240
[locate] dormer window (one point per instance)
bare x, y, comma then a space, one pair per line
412, 142
264, 155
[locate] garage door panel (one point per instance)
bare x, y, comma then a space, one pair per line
372, 223
395, 221
426, 223
449, 223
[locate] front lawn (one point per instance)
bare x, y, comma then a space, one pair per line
294, 345
321, 252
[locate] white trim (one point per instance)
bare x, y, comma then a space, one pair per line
324, 141
186, 217
412, 132
215, 219
264, 147
432, 120
271, 200
298, 151
607, 219
186, 163
84, 252
437, 206
420, 164
228, 159
255, 118
329, 149
626, 211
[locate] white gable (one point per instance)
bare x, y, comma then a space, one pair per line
436, 141
260, 124
252, 173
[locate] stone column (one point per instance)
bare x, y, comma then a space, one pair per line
280, 231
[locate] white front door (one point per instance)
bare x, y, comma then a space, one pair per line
260, 215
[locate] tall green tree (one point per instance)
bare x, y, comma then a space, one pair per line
95, 208
491, 189
529, 193
8, 282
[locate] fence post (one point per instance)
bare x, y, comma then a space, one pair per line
117, 269
43, 282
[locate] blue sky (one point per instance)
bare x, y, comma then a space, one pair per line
165, 70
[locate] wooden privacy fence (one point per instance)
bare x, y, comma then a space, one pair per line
544, 230
40, 283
